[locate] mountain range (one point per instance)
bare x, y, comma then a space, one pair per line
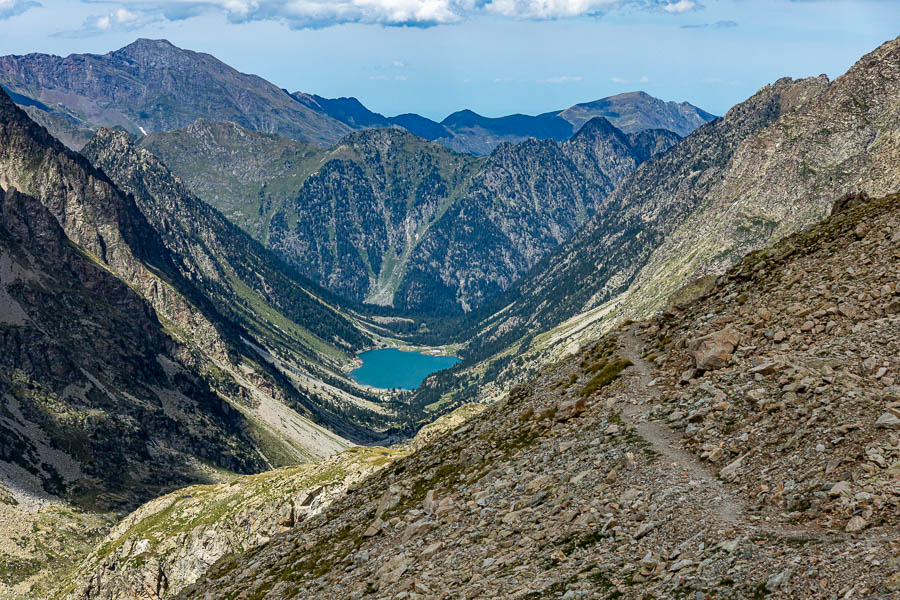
180, 305
151, 86
409, 223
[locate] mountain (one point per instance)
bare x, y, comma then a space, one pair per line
147, 344
294, 321
106, 408
349, 111
423, 127
690, 212
480, 135
408, 222
101, 433
635, 111
631, 112
525, 201
724, 191
151, 85
708, 452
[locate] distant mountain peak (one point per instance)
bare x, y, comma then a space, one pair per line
147, 46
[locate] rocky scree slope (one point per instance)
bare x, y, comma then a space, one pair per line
742, 445
431, 222
151, 85
294, 320
168, 543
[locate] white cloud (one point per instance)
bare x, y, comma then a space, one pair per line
618, 80
681, 6
549, 9
399, 64
644, 79
300, 14
562, 79
11, 8
120, 19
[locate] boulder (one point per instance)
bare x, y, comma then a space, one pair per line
713, 351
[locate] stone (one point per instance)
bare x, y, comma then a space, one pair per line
776, 580
729, 471
415, 530
644, 530
570, 409
855, 524
888, 421
374, 528
839, 488
429, 503
714, 351
684, 563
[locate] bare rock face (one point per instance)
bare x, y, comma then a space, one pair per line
713, 351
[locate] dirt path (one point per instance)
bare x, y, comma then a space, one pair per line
723, 504
665, 441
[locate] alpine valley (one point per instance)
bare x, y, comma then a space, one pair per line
679, 338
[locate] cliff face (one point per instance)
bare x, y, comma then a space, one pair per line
741, 444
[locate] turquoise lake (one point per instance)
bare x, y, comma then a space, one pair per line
391, 368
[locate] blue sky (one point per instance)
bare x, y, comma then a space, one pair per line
493, 56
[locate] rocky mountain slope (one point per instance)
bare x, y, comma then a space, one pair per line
151, 85
109, 226
408, 223
101, 409
770, 166
292, 319
75, 424
168, 543
636, 111
743, 444
133, 365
